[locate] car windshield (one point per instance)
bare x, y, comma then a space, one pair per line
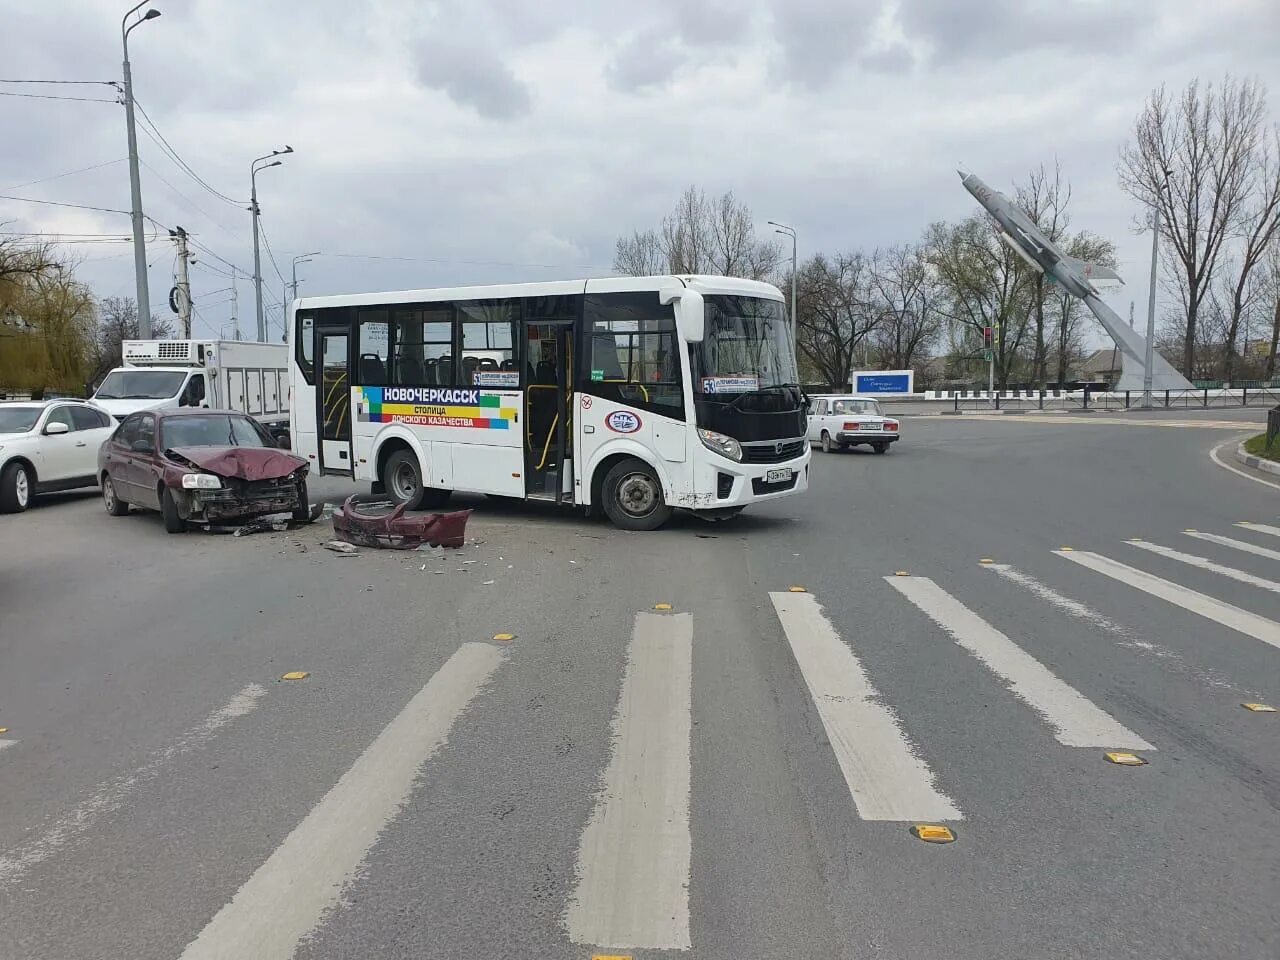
18, 419
141, 385
856, 406
747, 346
212, 430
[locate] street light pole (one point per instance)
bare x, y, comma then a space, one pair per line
255, 212
143, 294
1151, 297
300, 258
788, 231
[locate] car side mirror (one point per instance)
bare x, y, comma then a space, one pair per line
141, 446
55, 428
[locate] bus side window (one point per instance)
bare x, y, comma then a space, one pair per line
488, 342
305, 346
633, 356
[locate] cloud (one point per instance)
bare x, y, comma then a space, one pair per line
646, 60
819, 38
472, 76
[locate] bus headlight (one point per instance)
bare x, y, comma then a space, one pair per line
719, 443
200, 481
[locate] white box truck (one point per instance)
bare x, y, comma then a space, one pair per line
252, 378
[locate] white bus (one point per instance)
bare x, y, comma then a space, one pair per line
636, 394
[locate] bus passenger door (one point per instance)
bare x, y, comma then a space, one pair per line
549, 408
333, 399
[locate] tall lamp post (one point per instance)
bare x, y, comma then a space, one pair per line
135, 182
1151, 295
301, 258
788, 231
255, 212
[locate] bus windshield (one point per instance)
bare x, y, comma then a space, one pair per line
746, 347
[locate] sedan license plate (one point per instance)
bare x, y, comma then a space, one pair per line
871, 426
781, 475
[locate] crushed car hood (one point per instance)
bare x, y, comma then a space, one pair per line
241, 463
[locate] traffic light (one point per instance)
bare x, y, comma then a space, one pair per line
988, 337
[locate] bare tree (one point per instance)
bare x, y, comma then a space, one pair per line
1191, 157
1044, 198
1259, 230
1273, 296
118, 322
834, 314
906, 293
701, 235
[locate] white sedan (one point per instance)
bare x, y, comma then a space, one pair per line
48, 445
838, 422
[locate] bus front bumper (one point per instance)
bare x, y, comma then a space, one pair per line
726, 483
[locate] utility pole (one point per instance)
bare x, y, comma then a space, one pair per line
182, 290
789, 231
235, 306
135, 181
253, 209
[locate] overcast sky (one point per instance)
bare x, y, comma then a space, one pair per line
504, 140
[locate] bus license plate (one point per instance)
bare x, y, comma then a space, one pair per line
781, 475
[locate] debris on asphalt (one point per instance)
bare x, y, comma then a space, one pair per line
341, 546
396, 531
489, 582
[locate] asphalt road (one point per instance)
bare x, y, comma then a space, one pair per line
731, 778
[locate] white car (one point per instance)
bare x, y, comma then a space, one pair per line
838, 422
48, 445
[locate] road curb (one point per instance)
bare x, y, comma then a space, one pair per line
1249, 460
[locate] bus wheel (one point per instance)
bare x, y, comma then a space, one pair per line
402, 479
633, 497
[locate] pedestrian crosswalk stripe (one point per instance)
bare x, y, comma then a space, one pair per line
1235, 544
1204, 563
1260, 528
886, 779
287, 896
7, 743
1075, 721
1250, 624
635, 854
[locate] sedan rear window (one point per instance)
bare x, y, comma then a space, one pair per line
857, 406
214, 430
18, 419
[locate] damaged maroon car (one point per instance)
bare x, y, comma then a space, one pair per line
200, 466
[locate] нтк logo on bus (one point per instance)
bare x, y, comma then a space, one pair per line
622, 421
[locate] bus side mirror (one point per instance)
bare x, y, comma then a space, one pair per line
690, 321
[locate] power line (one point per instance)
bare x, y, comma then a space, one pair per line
102, 83
267, 243
173, 155
58, 203
50, 96
59, 176
470, 263
197, 244
191, 203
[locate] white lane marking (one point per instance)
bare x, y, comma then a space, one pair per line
1204, 563
1213, 455
635, 854
1124, 637
1250, 624
286, 897
886, 778
1235, 544
1260, 528
111, 795
7, 743
1075, 721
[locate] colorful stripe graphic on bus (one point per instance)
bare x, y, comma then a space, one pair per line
434, 407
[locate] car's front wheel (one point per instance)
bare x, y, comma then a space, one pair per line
115, 506
16, 485
173, 522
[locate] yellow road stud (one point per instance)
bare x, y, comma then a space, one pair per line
504, 637
1124, 759
1066, 550
1254, 707
902, 573
986, 560
1191, 530
797, 589
662, 606
296, 675
611, 956
4, 729
933, 833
